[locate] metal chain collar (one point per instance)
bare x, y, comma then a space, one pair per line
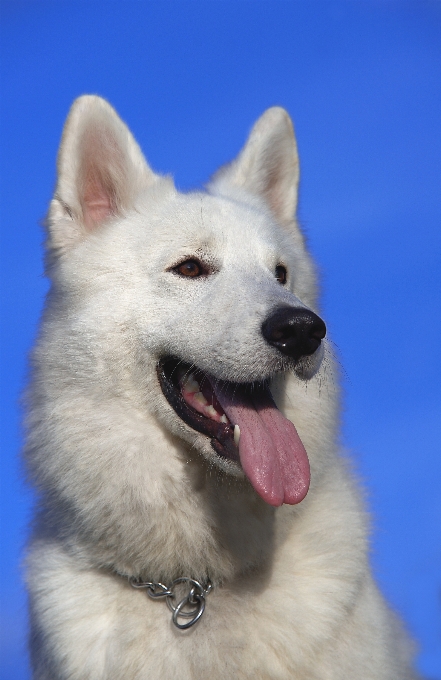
191, 606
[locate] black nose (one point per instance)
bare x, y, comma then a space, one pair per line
294, 331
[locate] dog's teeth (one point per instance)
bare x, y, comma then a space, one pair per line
224, 418
211, 411
199, 397
236, 434
189, 384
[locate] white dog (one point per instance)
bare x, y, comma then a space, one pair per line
167, 474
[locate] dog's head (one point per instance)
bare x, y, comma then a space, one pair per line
194, 302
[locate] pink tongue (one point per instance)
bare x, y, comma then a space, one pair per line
271, 453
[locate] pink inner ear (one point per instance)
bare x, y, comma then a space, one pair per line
98, 202
99, 172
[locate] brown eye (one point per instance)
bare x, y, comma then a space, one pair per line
281, 274
191, 268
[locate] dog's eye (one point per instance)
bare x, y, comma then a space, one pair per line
190, 268
281, 274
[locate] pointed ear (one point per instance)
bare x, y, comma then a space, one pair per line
268, 165
101, 170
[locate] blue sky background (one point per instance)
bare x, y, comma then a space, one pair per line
362, 81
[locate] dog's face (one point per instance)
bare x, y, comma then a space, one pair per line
216, 288
208, 290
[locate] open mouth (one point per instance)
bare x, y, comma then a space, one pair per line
244, 425
190, 392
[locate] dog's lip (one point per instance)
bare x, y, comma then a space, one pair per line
220, 434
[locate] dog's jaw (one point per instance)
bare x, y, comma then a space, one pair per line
244, 426
220, 433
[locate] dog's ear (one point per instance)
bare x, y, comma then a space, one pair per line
268, 165
101, 169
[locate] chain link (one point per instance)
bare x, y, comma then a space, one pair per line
191, 606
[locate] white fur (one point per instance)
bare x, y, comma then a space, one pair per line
128, 489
